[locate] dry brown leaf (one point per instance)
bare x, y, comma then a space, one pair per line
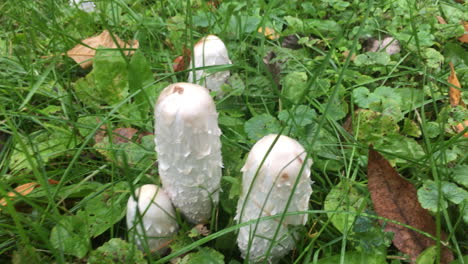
123, 135
441, 20
182, 62
268, 32
23, 190
83, 55
273, 67
454, 94
395, 198
464, 38
460, 127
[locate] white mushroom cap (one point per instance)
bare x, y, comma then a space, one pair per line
209, 51
155, 220
188, 144
277, 176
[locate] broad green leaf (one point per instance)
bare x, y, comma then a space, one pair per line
70, 235
346, 200
41, 146
460, 173
137, 155
107, 83
372, 58
261, 125
294, 86
433, 58
353, 257
205, 255
303, 116
428, 256
140, 78
372, 127
116, 251
401, 148
363, 97
410, 128
105, 208
428, 197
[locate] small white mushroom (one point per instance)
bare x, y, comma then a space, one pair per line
188, 144
151, 217
209, 51
271, 188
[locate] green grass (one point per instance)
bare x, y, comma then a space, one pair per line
48, 128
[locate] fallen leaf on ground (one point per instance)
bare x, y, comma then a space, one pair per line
273, 67
83, 55
441, 20
123, 135
182, 62
268, 32
23, 190
396, 198
454, 94
464, 38
460, 127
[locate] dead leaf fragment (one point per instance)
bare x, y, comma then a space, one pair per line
123, 135
23, 190
274, 67
182, 62
464, 38
441, 20
268, 32
454, 94
395, 198
460, 127
83, 55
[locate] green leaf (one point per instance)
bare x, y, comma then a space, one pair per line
344, 198
410, 128
428, 197
105, 208
401, 148
140, 78
428, 256
205, 255
354, 257
294, 86
42, 146
372, 58
107, 83
70, 235
133, 154
116, 251
433, 58
303, 116
261, 125
363, 97
453, 193
372, 127
460, 175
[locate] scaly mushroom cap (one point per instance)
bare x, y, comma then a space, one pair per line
271, 189
209, 51
189, 149
155, 220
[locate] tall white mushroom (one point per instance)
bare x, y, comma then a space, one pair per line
189, 149
209, 51
270, 190
152, 216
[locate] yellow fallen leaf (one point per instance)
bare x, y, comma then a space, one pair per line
268, 32
454, 94
23, 190
83, 55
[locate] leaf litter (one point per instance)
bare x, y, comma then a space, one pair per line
396, 198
